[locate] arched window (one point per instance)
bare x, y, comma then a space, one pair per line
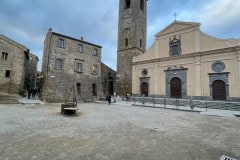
175, 46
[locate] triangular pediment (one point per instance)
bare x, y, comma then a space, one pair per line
177, 26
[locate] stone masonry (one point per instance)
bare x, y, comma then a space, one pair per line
71, 63
132, 27
13, 66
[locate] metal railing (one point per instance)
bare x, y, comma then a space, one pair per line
185, 104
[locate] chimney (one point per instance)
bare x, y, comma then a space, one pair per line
81, 38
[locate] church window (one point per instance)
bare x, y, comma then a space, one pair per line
127, 4
80, 48
60, 43
175, 46
140, 43
126, 42
4, 55
59, 64
7, 73
142, 5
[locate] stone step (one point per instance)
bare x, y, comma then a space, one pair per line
8, 99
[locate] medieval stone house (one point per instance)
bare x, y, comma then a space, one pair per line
18, 67
71, 67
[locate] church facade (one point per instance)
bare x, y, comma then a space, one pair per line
184, 62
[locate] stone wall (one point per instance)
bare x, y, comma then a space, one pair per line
131, 41
108, 77
31, 71
14, 63
56, 80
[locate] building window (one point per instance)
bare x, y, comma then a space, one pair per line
60, 43
78, 88
78, 66
59, 64
126, 42
4, 56
127, 4
94, 90
80, 48
140, 43
175, 46
94, 69
95, 52
142, 5
7, 74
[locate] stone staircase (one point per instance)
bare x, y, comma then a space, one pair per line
8, 99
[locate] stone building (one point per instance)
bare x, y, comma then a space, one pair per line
183, 61
31, 71
132, 25
71, 63
108, 79
16, 65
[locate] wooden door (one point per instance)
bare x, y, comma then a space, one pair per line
144, 89
219, 90
176, 88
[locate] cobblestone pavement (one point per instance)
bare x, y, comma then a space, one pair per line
115, 132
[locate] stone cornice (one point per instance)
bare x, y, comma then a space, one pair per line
75, 39
191, 55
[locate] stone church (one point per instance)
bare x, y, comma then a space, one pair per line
73, 66
183, 61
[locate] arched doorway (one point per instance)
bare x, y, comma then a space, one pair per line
176, 88
219, 90
144, 89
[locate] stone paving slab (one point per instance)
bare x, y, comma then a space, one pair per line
114, 132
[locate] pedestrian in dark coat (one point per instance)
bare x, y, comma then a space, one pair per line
29, 92
109, 99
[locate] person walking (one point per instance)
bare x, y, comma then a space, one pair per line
29, 92
109, 100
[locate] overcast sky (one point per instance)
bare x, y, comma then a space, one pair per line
27, 21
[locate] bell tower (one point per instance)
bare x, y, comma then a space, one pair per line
132, 26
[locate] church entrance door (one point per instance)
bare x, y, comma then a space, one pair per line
144, 89
219, 90
176, 88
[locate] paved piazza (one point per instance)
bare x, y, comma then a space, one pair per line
29, 132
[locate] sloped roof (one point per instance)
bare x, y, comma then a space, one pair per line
13, 42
